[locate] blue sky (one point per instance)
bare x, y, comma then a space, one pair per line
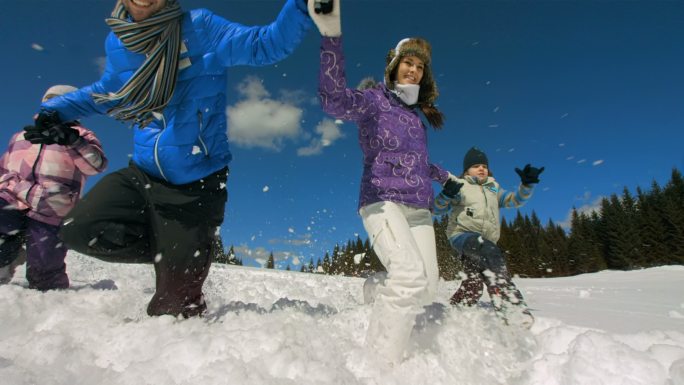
592, 90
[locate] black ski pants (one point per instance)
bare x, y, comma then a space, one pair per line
131, 217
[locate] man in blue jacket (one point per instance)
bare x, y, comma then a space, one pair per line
166, 76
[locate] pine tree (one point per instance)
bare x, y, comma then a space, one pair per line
584, 255
447, 261
347, 264
512, 244
651, 223
270, 264
593, 225
219, 254
673, 208
232, 258
621, 252
311, 268
536, 263
359, 256
373, 260
553, 250
337, 262
325, 266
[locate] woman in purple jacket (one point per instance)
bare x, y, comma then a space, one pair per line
396, 187
40, 182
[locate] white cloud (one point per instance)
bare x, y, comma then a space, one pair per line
260, 254
259, 121
586, 208
300, 240
328, 131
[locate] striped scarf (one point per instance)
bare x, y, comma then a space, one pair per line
151, 87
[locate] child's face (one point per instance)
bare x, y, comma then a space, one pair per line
480, 171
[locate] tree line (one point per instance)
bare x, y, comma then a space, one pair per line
625, 232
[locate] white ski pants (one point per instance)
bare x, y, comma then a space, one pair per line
404, 240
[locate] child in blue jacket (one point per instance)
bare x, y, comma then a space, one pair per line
472, 203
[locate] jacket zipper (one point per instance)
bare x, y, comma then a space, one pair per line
484, 211
201, 127
156, 148
33, 172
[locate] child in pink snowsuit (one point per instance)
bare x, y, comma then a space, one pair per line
39, 184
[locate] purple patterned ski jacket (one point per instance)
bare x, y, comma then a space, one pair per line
48, 179
393, 139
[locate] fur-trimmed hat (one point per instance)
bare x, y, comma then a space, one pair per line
420, 48
474, 156
57, 91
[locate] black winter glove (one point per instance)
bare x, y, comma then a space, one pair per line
529, 175
35, 135
49, 129
451, 188
47, 119
322, 6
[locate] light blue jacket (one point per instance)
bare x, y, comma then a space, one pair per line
191, 141
475, 209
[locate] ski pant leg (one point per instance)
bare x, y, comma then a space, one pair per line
185, 221
129, 217
111, 222
45, 253
420, 224
400, 298
492, 265
470, 290
12, 229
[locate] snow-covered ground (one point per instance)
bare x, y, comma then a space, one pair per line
279, 327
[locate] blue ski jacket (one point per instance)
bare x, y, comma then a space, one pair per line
189, 140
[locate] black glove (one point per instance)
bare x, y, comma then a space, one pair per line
49, 129
47, 118
323, 6
451, 188
36, 135
529, 175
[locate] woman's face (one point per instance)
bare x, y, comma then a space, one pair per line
410, 70
142, 9
480, 171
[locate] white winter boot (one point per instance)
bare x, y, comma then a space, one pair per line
370, 286
522, 317
518, 316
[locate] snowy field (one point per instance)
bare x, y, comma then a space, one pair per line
279, 327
